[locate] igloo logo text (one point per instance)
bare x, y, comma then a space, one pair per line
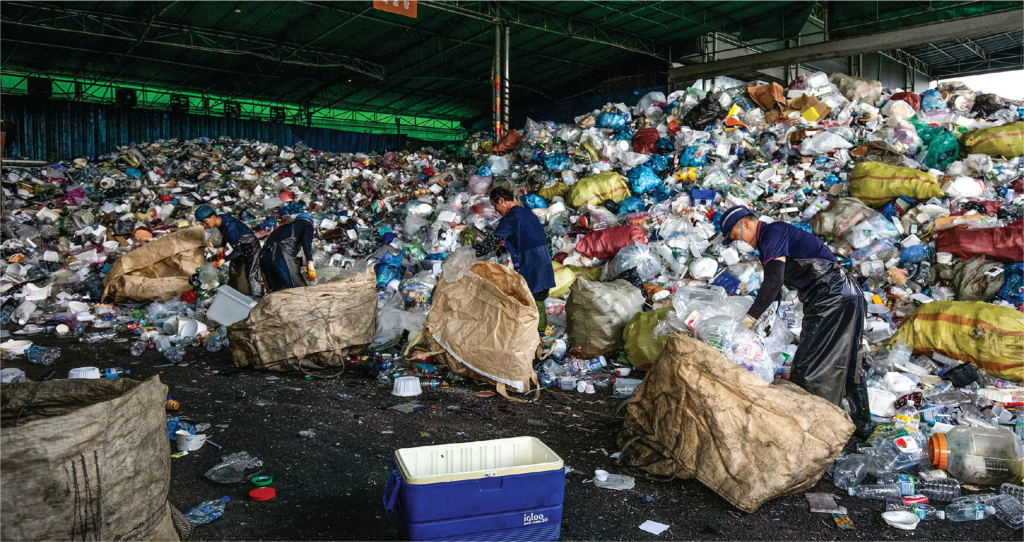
533, 519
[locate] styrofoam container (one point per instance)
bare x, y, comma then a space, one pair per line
84, 372
229, 306
406, 386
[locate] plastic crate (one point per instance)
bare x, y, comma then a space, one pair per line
505, 489
229, 306
962, 375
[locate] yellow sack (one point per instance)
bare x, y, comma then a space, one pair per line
990, 336
642, 347
597, 189
1006, 140
551, 192
565, 275
876, 184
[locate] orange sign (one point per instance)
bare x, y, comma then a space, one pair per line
401, 7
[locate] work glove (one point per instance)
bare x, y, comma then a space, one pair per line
310, 272
748, 321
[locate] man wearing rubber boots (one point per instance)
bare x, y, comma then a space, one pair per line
521, 233
826, 362
243, 270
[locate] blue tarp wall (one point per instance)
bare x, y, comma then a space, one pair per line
52, 129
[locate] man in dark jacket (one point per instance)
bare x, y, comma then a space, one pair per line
826, 362
521, 233
287, 254
243, 272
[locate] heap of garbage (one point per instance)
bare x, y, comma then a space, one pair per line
919, 195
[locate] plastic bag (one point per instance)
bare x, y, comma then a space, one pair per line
392, 322
614, 121
705, 113
977, 279
823, 142
557, 161
231, 469
716, 331
388, 268
533, 201
458, 263
642, 179
640, 257
631, 205
479, 185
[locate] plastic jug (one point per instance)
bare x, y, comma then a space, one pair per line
978, 455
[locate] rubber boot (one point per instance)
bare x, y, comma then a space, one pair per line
860, 412
542, 324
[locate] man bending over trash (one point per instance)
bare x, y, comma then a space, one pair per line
243, 270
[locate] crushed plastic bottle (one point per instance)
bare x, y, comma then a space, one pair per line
206, 512
232, 468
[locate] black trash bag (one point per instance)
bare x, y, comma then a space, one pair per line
987, 104
705, 113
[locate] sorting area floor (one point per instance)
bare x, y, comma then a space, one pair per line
329, 485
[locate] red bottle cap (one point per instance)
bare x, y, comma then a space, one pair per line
262, 494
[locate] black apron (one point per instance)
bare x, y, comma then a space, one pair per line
834, 309
282, 263
250, 247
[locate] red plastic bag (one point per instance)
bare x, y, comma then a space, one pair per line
604, 244
509, 142
1004, 244
913, 99
645, 140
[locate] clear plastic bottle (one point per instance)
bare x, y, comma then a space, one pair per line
137, 348
43, 355
207, 511
900, 353
936, 489
850, 472
907, 417
948, 399
978, 455
213, 342
23, 312
964, 511
817, 205
876, 491
926, 512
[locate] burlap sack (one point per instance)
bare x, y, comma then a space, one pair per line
85, 460
312, 327
700, 415
484, 326
159, 269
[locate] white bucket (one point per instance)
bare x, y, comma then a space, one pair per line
187, 442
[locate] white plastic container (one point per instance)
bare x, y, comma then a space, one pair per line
84, 372
472, 460
16, 348
230, 306
406, 386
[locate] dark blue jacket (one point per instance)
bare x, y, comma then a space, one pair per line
524, 238
236, 233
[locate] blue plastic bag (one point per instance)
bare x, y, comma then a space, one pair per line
931, 100
631, 204
895, 209
615, 121
658, 163
694, 156
624, 135
665, 145
643, 179
914, 254
388, 268
804, 226
533, 201
484, 171
557, 161
1013, 283
729, 282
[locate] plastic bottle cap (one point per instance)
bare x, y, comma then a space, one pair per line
938, 450
852, 491
262, 494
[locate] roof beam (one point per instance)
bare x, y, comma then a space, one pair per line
181, 36
973, 27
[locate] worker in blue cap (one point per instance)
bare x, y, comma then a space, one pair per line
826, 363
243, 270
288, 255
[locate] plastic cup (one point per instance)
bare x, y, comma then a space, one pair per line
600, 475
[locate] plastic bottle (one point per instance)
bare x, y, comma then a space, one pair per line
926, 512
948, 399
850, 472
43, 355
101, 336
23, 312
907, 417
115, 372
137, 348
207, 511
817, 205
940, 489
900, 353
978, 455
964, 511
876, 491
213, 342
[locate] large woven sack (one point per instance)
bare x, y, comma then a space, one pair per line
1005, 244
308, 328
1006, 140
597, 189
159, 269
85, 460
557, 189
484, 326
843, 215
876, 183
642, 346
700, 415
989, 336
566, 275
977, 279
604, 244
597, 312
